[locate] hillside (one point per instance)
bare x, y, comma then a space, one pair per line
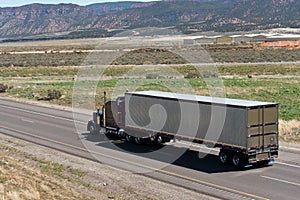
38, 19
187, 16
114, 7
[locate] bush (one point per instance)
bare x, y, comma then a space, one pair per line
54, 94
193, 75
152, 76
3, 88
209, 74
204, 74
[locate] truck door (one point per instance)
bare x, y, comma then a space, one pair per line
255, 128
110, 114
270, 120
121, 112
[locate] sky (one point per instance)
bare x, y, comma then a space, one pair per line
15, 3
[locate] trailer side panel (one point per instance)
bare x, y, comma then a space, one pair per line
190, 119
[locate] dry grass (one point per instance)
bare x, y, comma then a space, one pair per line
29, 171
20, 181
289, 131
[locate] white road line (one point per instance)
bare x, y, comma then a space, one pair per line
26, 120
43, 114
280, 180
290, 165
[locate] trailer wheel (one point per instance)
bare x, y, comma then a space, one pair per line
121, 133
224, 157
138, 140
159, 140
237, 160
128, 138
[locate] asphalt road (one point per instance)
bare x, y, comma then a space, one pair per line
193, 169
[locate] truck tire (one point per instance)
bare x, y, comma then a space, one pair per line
224, 156
128, 138
159, 140
138, 140
237, 160
92, 128
121, 133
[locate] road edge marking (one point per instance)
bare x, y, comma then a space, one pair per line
287, 164
42, 114
280, 180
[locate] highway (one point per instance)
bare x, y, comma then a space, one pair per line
56, 129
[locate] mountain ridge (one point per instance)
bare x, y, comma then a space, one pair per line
186, 16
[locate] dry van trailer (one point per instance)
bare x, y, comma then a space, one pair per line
245, 131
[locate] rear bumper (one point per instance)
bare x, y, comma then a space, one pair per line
263, 156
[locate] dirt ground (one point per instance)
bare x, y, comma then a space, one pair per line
282, 44
29, 171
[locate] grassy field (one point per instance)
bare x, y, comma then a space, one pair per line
281, 90
37, 72
253, 55
74, 54
41, 59
37, 76
284, 91
249, 70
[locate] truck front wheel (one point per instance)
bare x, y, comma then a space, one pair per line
92, 127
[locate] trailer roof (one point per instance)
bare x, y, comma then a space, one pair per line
204, 99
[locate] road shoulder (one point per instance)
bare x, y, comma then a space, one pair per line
73, 177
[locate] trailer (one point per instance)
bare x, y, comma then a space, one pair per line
246, 132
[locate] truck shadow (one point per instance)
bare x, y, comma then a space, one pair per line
179, 156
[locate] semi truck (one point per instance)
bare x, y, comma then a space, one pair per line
246, 132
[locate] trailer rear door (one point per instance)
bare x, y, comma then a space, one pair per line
263, 127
